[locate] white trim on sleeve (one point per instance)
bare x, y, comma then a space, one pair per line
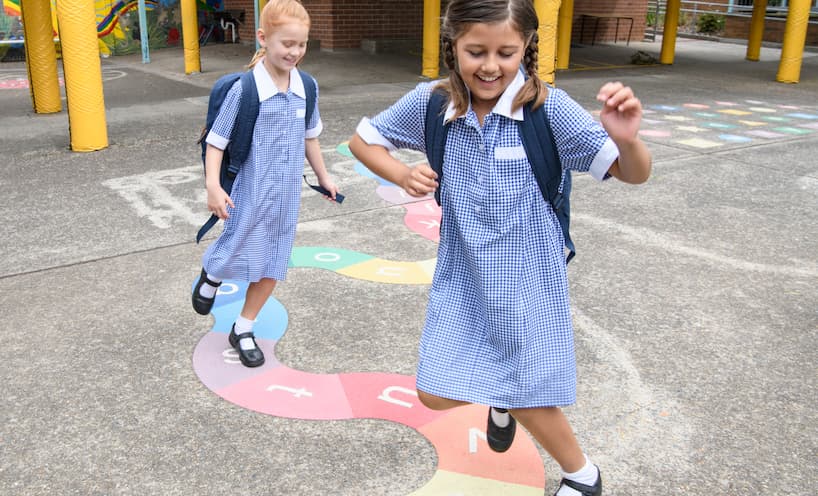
372, 136
219, 142
314, 132
604, 159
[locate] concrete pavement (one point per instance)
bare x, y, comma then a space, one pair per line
694, 295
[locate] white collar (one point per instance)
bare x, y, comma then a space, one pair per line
503, 105
266, 87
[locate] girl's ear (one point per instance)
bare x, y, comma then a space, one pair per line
262, 40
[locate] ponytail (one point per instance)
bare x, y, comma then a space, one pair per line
259, 55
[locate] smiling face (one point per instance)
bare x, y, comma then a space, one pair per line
285, 46
488, 58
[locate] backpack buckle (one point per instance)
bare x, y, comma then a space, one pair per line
558, 202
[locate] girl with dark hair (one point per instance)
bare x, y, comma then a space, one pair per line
498, 327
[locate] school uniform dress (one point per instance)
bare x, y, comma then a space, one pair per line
258, 235
498, 327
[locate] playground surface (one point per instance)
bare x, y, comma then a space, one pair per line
695, 298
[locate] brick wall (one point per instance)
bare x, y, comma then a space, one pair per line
606, 30
739, 27
344, 23
320, 19
341, 24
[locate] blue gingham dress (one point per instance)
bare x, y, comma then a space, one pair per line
498, 327
258, 235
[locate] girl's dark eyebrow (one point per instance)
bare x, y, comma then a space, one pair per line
473, 46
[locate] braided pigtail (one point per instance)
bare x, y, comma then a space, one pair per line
448, 55
455, 86
533, 90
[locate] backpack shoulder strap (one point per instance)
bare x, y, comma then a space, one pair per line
310, 89
241, 138
435, 135
541, 149
214, 103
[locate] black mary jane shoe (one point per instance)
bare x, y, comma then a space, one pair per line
201, 304
595, 490
500, 438
249, 358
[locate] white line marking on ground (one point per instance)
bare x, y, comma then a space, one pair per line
151, 196
652, 238
630, 424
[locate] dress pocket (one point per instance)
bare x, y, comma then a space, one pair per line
509, 153
512, 169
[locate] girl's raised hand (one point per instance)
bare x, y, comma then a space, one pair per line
420, 181
621, 112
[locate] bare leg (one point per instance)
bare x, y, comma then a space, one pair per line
257, 295
437, 402
551, 429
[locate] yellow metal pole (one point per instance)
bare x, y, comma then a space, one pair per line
795, 37
756, 30
564, 28
547, 11
41, 56
669, 32
431, 39
190, 36
260, 7
83, 75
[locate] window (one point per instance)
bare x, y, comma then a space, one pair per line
740, 6
772, 6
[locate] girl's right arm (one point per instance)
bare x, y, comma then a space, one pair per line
217, 197
417, 181
621, 115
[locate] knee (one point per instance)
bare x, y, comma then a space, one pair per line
264, 284
436, 402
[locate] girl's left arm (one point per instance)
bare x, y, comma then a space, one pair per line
312, 150
621, 116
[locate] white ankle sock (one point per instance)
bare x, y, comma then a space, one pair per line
586, 475
244, 325
500, 419
208, 290
567, 491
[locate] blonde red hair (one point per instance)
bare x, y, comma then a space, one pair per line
274, 14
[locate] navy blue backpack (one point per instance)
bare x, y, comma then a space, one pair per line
242, 136
540, 148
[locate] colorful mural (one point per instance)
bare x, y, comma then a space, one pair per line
117, 23
111, 19
12, 8
11, 29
